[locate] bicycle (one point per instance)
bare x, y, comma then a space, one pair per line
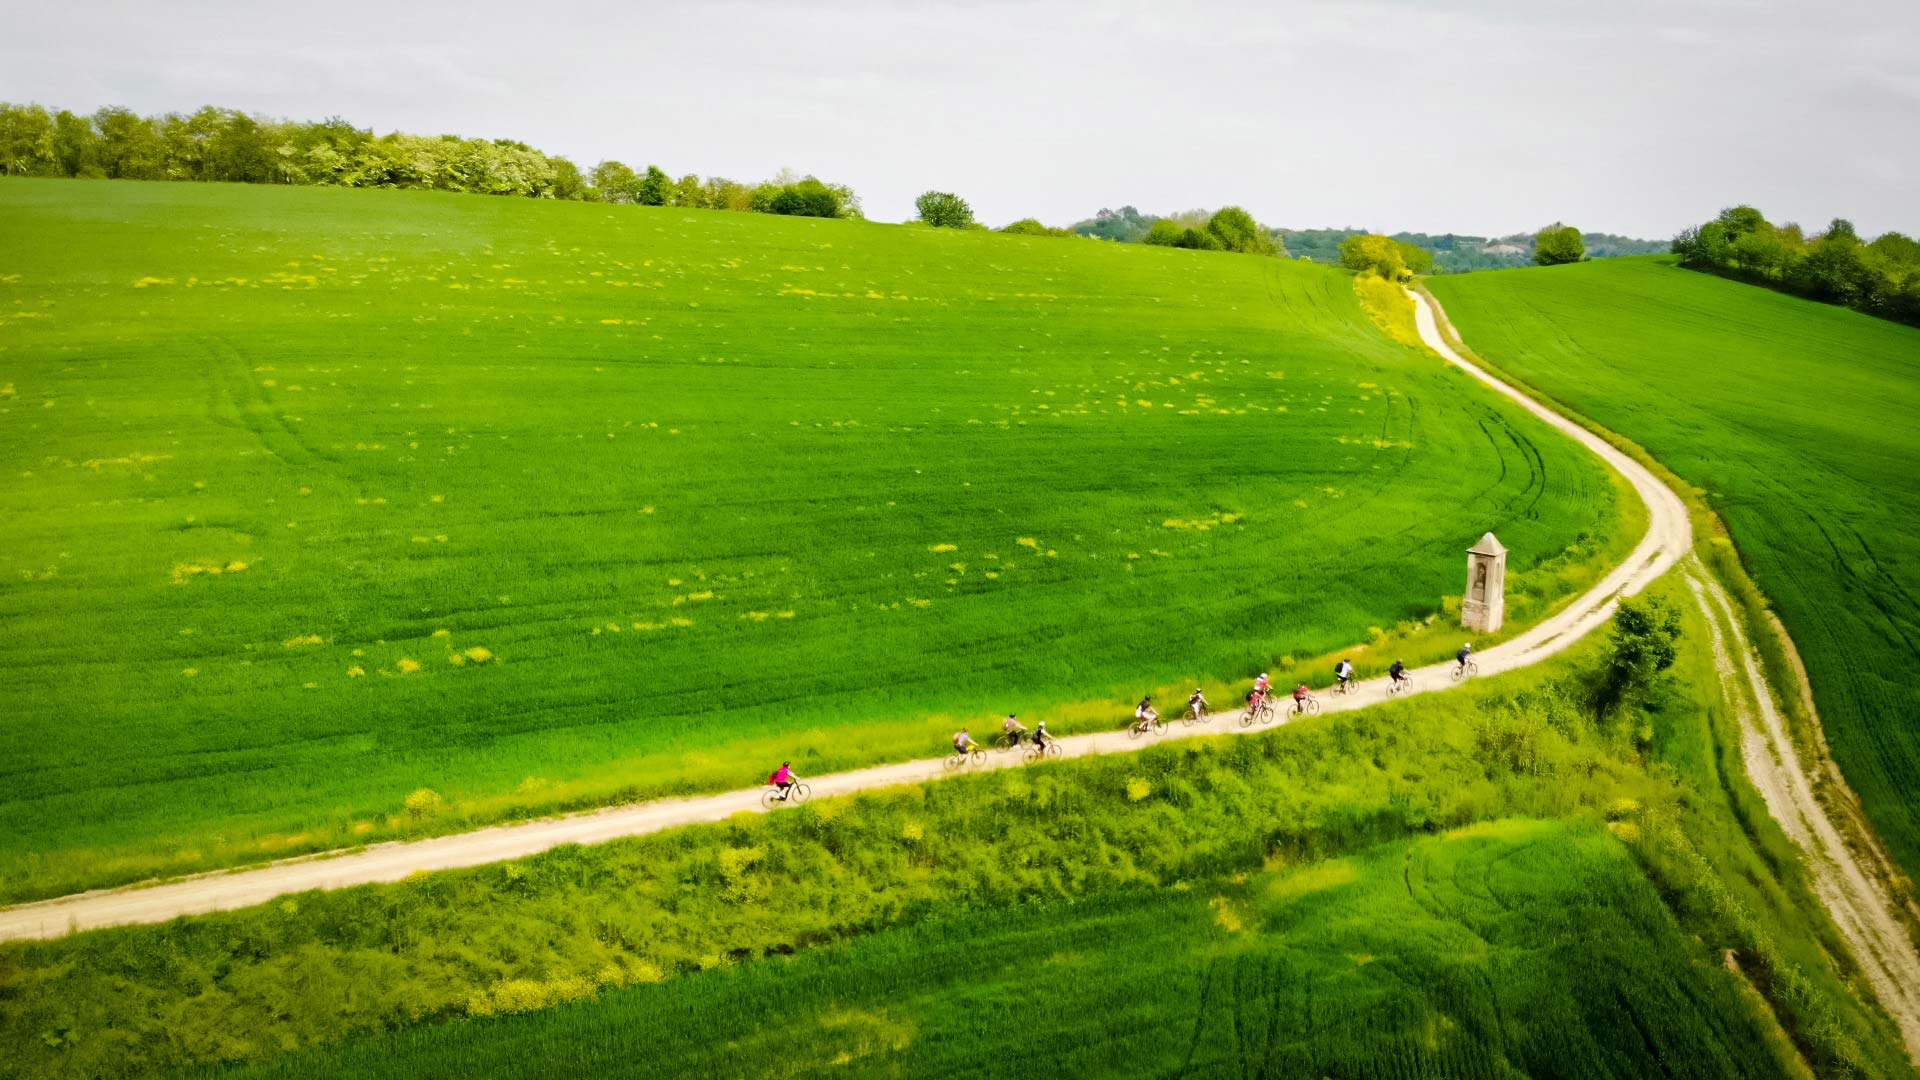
1399, 686
1343, 687
1155, 726
1306, 706
1007, 740
1261, 710
960, 759
1465, 671
1035, 753
773, 796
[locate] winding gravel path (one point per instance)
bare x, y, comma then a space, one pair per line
1668, 537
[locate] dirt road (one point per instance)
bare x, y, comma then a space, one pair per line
1668, 538
1860, 907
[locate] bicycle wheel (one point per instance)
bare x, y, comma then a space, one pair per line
770, 798
1053, 749
1246, 718
1313, 706
953, 761
977, 757
1134, 729
1159, 726
801, 793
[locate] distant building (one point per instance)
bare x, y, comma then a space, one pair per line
1503, 249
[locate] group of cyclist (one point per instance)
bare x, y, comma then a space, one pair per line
1012, 731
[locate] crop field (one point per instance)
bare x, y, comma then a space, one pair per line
1510, 948
315, 498
1798, 420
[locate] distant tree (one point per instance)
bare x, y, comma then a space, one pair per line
806, 197
567, 182
1418, 260
615, 182
76, 146
688, 192
1738, 221
943, 210
654, 188
129, 148
1194, 238
1163, 233
1125, 225
1236, 230
26, 141
1374, 253
1558, 244
1033, 227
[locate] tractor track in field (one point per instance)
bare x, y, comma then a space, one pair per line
1668, 538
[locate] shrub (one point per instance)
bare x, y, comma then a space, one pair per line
423, 803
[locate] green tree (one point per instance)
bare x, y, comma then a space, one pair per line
1237, 231
1558, 244
805, 197
688, 192
1374, 253
1033, 227
654, 188
1640, 647
615, 182
943, 210
1163, 233
27, 141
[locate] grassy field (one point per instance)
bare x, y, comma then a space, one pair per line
1510, 948
1192, 819
316, 497
1798, 420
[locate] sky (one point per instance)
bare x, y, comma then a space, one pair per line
1484, 117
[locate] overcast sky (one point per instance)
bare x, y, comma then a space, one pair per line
1490, 116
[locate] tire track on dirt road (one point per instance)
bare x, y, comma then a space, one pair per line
1668, 537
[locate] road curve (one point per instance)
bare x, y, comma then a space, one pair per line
1669, 537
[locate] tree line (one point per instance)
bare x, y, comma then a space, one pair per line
215, 144
1458, 253
1881, 277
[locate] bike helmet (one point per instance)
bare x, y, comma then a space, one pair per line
786, 764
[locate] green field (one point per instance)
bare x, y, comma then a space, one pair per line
316, 497
1475, 922
1512, 948
1798, 420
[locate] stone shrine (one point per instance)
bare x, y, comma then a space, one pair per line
1485, 605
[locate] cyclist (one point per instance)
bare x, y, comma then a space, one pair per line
1398, 671
1197, 703
1261, 685
963, 742
1040, 736
782, 778
1465, 653
1343, 671
1012, 728
1300, 698
1145, 712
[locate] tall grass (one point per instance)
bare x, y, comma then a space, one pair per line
318, 498
1513, 946
1795, 418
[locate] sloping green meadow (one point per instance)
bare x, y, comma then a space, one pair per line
1511, 948
316, 497
1799, 421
